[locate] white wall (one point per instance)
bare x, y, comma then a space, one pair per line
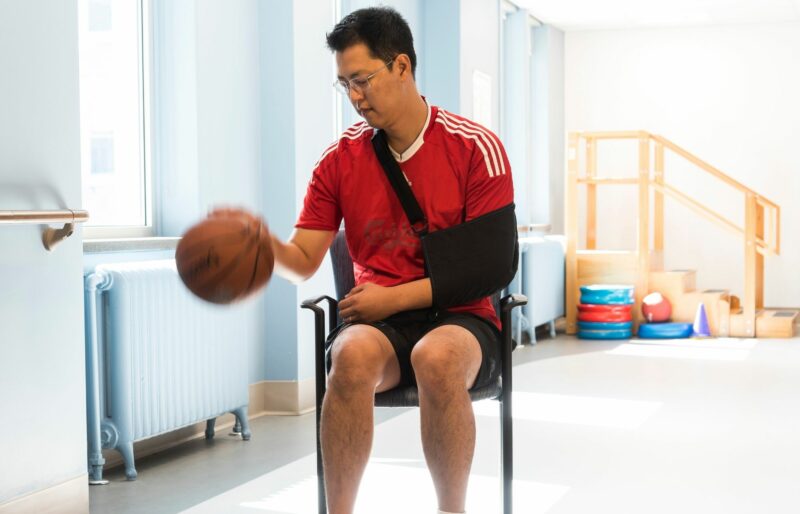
727, 94
42, 391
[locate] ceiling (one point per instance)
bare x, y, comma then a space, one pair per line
624, 14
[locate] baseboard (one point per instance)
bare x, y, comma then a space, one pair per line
288, 398
268, 397
71, 496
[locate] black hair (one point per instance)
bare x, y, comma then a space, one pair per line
381, 29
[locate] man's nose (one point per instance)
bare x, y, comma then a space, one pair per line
355, 95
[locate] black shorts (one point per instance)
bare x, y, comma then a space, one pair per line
405, 329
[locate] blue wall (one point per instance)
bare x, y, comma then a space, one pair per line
547, 97
439, 55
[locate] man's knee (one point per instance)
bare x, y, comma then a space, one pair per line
443, 363
357, 358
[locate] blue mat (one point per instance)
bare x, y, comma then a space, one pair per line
606, 294
665, 330
605, 334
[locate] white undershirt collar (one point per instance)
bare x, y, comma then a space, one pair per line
417, 144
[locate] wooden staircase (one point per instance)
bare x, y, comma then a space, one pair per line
644, 267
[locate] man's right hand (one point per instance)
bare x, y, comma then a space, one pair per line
298, 259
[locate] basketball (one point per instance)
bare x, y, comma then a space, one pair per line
656, 308
225, 257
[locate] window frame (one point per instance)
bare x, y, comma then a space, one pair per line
146, 115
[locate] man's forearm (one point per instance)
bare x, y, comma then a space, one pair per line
414, 295
291, 262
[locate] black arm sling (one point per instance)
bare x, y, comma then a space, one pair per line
465, 262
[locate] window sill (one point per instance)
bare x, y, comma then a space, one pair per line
131, 244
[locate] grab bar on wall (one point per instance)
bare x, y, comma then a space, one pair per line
535, 228
51, 236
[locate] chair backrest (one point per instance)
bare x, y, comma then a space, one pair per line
343, 277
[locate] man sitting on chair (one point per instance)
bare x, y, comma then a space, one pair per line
391, 333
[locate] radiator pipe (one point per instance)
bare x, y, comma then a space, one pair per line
92, 284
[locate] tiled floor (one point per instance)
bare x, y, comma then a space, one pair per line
692, 426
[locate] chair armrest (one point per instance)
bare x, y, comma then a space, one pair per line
312, 304
511, 301
507, 304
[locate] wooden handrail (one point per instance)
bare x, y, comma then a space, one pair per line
608, 181
765, 250
50, 236
773, 208
712, 170
708, 213
622, 134
43, 217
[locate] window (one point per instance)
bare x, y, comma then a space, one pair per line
102, 160
113, 53
99, 15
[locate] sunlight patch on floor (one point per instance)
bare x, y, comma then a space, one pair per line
716, 349
579, 410
293, 490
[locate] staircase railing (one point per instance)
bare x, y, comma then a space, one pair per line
760, 229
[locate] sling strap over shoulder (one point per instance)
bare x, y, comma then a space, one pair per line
465, 262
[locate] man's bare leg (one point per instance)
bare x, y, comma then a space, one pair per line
446, 363
363, 362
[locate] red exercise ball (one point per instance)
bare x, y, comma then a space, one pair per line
656, 308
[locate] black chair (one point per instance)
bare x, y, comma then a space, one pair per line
408, 396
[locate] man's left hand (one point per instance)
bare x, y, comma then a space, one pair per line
368, 302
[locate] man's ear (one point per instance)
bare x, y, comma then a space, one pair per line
403, 64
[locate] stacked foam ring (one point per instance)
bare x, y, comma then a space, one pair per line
605, 312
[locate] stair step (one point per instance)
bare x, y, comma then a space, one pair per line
672, 284
684, 309
769, 323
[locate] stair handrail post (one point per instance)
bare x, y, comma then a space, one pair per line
750, 264
591, 194
571, 224
658, 198
643, 236
759, 257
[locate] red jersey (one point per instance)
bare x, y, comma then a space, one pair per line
457, 169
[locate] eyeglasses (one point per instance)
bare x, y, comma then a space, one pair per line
358, 84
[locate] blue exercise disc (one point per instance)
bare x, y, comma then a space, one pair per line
605, 325
605, 334
606, 294
665, 330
